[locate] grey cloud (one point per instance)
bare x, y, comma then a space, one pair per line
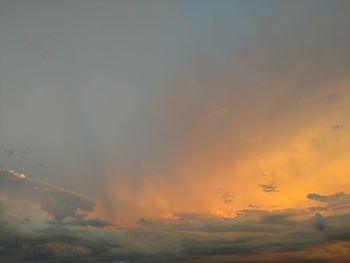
258, 232
58, 201
35, 231
96, 222
328, 198
37, 235
319, 222
268, 188
227, 197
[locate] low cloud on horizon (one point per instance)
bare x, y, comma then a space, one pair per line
31, 231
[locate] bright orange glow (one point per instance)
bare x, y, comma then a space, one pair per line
222, 173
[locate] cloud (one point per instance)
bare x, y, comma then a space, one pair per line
268, 96
319, 222
226, 196
42, 221
254, 232
59, 202
96, 222
268, 188
329, 198
130, 144
30, 231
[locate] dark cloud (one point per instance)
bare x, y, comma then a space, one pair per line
328, 198
96, 222
40, 222
30, 231
251, 233
319, 222
60, 202
227, 197
268, 188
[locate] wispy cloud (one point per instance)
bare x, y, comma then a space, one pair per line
268, 188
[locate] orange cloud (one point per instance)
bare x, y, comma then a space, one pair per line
296, 151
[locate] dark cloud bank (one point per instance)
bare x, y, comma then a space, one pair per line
42, 223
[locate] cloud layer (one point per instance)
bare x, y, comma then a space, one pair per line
30, 231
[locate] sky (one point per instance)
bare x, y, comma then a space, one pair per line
174, 131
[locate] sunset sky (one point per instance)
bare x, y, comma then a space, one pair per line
174, 131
